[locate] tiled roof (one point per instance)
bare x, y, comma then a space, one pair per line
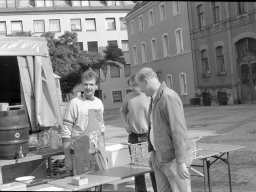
138, 5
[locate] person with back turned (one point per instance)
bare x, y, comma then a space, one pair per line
134, 112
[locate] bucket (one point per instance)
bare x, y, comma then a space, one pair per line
14, 134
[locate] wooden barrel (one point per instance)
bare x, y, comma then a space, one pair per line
14, 134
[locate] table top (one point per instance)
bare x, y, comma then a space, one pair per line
123, 172
46, 187
207, 150
42, 153
93, 180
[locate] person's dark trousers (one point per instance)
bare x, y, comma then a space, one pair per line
140, 183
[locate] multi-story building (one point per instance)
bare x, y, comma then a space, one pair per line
158, 33
223, 42
97, 23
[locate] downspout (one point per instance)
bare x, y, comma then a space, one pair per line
231, 55
192, 44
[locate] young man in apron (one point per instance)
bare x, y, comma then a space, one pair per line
83, 129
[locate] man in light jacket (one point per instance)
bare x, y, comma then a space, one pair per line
170, 147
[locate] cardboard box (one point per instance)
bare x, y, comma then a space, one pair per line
80, 180
14, 186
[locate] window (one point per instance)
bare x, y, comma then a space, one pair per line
26, 3
110, 24
169, 81
162, 11
176, 7
127, 70
165, 45
128, 91
150, 18
81, 45
7, 3
132, 27
122, 24
143, 52
125, 45
114, 42
114, 71
62, 3
44, 3
215, 12
204, 61
90, 24
200, 16
3, 28
112, 3
241, 8
84, 3
135, 56
141, 23
117, 96
54, 25
16, 26
92, 46
153, 49
179, 41
76, 3
39, 26
75, 24
220, 59
183, 84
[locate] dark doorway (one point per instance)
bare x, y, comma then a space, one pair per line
246, 51
10, 80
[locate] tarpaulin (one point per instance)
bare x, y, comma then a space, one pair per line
37, 79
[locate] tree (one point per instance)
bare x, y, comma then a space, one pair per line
114, 55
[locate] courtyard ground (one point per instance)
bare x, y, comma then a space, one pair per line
233, 124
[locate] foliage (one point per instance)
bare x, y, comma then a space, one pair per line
113, 53
68, 60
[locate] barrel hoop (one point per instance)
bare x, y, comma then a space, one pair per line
15, 127
13, 142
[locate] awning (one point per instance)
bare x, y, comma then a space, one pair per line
23, 46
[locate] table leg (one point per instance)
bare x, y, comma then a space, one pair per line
204, 171
1, 176
49, 159
208, 164
229, 172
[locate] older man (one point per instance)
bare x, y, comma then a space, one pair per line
134, 112
168, 134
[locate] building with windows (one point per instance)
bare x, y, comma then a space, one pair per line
97, 23
223, 41
158, 33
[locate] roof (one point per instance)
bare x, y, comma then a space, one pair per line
137, 6
21, 46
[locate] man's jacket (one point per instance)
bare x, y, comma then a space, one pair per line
169, 127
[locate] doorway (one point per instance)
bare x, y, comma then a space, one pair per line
248, 81
10, 80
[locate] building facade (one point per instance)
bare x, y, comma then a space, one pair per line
97, 23
158, 33
223, 41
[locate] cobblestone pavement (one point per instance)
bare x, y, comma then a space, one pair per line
234, 124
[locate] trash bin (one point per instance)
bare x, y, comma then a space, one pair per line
195, 101
222, 98
206, 99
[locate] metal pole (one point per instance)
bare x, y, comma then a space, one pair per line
229, 173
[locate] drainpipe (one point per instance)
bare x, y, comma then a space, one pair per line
192, 44
231, 55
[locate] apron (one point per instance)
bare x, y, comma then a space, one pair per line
89, 150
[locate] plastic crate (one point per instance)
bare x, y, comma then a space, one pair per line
139, 152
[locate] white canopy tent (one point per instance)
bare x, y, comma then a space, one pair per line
38, 87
